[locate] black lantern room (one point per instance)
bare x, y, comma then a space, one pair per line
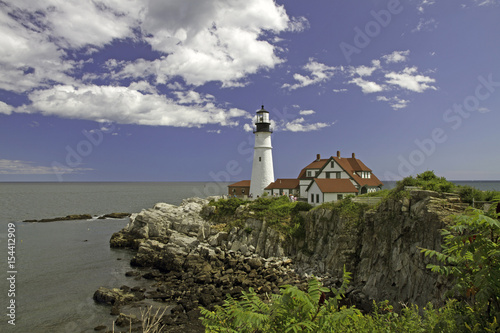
262, 123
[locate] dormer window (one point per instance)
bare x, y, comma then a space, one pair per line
365, 174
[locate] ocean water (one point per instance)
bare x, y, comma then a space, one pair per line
60, 265
484, 185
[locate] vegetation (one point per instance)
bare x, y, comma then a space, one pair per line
319, 310
352, 211
470, 254
469, 194
279, 212
427, 181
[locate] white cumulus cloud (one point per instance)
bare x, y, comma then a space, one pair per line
411, 80
299, 125
396, 56
318, 73
306, 112
127, 106
367, 87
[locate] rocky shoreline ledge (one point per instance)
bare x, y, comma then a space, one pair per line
75, 217
189, 263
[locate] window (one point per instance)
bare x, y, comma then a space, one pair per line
339, 175
309, 173
317, 198
242, 190
260, 159
340, 196
312, 198
332, 165
328, 174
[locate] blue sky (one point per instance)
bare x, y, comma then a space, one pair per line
165, 90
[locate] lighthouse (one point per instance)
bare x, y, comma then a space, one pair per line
262, 167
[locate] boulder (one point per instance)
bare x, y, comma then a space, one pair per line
113, 296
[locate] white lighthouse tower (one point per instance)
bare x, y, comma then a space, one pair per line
262, 167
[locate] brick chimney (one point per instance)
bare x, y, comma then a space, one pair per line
338, 153
318, 157
353, 155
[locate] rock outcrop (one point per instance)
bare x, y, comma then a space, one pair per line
382, 250
198, 264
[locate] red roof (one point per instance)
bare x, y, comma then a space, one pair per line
316, 164
350, 164
282, 183
353, 165
243, 183
335, 185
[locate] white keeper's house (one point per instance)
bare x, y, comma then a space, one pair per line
333, 178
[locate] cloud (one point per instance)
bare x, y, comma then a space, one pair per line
198, 41
410, 80
299, 125
423, 3
298, 24
247, 128
396, 56
486, 2
306, 112
210, 40
339, 90
381, 79
127, 106
16, 167
367, 87
36, 38
318, 73
5, 108
425, 25
395, 102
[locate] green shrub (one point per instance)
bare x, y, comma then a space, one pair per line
427, 181
471, 254
226, 207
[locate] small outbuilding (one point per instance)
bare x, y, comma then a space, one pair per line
240, 189
284, 186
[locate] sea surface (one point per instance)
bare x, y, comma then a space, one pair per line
59, 265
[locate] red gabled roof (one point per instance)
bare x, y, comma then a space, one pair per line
353, 165
335, 185
372, 181
282, 183
243, 183
316, 164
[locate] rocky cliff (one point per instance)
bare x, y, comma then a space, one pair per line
380, 248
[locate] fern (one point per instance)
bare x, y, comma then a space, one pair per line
471, 254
